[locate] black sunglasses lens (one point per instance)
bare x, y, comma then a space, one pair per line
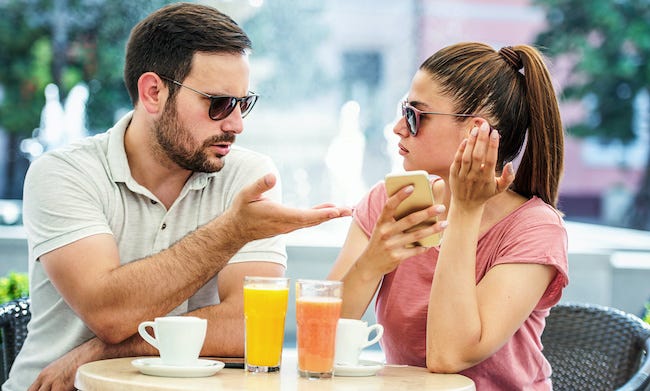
221, 107
246, 104
411, 120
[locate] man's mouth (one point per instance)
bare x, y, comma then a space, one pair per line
221, 148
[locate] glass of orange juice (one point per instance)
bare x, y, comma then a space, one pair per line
318, 308
265, 307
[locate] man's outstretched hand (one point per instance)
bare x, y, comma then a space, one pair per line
254, 216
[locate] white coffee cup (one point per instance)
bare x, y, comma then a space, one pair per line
179, 339
351, 337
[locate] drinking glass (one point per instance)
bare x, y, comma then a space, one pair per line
318, 309
265, 307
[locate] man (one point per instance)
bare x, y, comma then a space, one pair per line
161, 214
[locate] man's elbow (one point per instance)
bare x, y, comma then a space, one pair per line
109, 329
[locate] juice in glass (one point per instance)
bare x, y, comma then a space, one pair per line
265, 307
318, 308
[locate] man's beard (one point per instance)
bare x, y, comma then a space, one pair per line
176, 143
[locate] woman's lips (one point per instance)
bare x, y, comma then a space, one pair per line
402, 150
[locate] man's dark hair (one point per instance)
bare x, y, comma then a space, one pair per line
165, 42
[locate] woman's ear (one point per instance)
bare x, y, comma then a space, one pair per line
152, 93
474, 122
478, 121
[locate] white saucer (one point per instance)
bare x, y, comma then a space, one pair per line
365, 368
153, 366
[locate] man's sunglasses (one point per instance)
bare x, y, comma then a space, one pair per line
222, 106
412, 116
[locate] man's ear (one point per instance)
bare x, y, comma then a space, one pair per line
152, 93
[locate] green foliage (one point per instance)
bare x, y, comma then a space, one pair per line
64, 42
608, 43
23, 60
13, 286
646, 316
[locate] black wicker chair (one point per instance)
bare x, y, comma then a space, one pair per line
591, 347
14, 316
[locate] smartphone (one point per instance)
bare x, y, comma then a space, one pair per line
421, 198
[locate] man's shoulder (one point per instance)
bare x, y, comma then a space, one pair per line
87, 154
87, 146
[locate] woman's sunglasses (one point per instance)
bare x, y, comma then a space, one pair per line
412, 116
222, 106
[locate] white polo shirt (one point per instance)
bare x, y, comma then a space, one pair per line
87, 189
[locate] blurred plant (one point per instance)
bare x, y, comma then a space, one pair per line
61, 42
13, 286
606, 45
646, 315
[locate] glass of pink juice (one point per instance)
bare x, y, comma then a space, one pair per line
318, 309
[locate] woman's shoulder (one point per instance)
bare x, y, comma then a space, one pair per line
532, 219
539, 212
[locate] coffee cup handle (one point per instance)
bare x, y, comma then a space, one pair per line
379, 330
142, 329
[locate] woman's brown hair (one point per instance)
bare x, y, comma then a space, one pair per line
512, 88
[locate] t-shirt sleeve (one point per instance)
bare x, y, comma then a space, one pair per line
60, 205
367, 211
539, 237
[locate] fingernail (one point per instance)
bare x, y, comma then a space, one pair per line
484, 127
409, 189
495, 134
443, 224
439, 208
511, 169
474, 131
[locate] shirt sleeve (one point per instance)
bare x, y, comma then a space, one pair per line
367, 211
539, 237
61, 204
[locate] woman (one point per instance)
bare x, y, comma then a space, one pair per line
476, 304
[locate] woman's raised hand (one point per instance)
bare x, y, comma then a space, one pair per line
472, 175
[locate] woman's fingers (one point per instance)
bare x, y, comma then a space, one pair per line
492, 151
457, 164
467, 158
480, 152
393, 202
506, 178
477, 155
402, 241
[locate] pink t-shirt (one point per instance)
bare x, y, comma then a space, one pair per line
533, 233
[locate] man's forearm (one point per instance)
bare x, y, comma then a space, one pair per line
155, 285
95, 349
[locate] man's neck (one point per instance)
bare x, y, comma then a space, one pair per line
156, 172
